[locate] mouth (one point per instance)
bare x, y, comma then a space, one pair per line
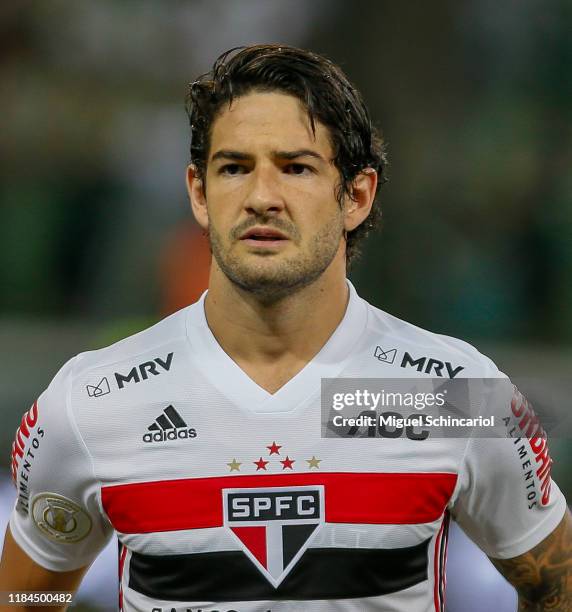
263, 234
264, 237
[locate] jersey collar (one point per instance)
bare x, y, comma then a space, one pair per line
230, 380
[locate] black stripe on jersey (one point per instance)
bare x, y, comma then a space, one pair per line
322, 573
442, 556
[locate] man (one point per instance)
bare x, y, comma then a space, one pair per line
199, 440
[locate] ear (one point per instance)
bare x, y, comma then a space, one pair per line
358, 207
195, 188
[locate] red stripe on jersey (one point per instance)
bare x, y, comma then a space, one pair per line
121, 563
195, 503
436, 569
445, 543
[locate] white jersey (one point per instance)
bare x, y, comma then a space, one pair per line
227, 498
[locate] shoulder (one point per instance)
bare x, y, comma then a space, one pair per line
168, 331
414, 348
95, 375
138, 357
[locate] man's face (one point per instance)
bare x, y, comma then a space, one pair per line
272, 216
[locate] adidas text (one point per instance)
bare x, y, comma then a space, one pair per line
170, 434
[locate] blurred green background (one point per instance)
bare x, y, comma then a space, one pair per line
474, 100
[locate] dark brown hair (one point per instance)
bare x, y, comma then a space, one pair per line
323, 89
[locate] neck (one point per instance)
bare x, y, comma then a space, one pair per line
294, 328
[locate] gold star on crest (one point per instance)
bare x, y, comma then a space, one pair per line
313, 462
234, 465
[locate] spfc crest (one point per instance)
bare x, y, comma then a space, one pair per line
274, 526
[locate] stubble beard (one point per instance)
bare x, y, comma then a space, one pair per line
272, 281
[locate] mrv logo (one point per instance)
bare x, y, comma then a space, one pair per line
430, 366
274, 526
143, 370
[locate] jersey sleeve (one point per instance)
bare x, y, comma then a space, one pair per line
57, 519
506, 501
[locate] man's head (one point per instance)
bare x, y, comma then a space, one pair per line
249, 115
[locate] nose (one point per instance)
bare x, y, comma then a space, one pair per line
264, 195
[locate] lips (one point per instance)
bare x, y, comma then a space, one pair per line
263, 234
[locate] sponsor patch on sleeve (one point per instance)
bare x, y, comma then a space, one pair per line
531, 444
26, 442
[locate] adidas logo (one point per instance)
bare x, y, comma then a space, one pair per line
169, 426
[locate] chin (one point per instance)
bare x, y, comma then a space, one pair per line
274, 283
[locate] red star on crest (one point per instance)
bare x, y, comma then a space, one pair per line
274, 448
287, 463
260, 464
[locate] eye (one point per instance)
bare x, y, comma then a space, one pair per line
232, 169
299, 169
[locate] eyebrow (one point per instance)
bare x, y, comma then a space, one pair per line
288, 155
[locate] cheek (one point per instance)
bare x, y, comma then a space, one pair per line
320, 213
221, 220
224, 203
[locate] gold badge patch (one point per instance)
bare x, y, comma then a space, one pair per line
59, 518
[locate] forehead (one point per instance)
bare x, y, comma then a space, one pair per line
268, 120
